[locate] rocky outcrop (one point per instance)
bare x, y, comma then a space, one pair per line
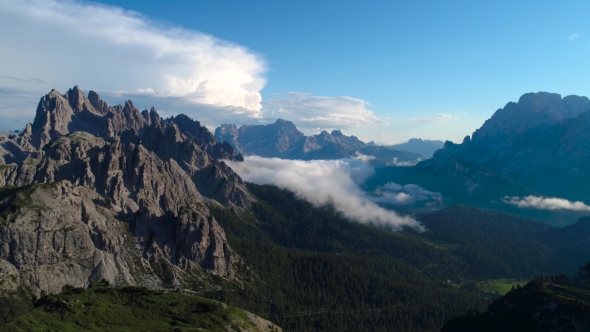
91, 192
56, 234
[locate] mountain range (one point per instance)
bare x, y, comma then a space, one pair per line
426, 148
283, 140
86, 164
115, 218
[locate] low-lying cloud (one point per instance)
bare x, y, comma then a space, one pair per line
408, 194
545, 203
408, 163
323, 182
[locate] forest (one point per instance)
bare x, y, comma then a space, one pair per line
311, 269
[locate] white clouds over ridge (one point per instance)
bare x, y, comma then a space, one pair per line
323, 182
546, 203
324, 112
106, 48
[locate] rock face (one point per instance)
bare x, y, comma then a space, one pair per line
91, 192
541, 142
282, 139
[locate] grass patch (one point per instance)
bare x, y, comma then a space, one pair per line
500, 286
127, 308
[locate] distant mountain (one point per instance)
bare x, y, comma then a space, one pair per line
417, 145
282, 139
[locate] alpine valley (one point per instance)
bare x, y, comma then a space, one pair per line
116, 219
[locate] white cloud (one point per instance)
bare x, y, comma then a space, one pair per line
109, 49
323, 182
544, 203
364, 158
320, 111
408, 163
574, 36
408, 194
432, 118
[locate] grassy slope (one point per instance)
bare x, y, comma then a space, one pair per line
103, 308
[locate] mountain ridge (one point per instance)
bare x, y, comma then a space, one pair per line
282, 139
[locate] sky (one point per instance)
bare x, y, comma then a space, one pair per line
385, 71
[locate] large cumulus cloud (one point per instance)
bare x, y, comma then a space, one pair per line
59, 43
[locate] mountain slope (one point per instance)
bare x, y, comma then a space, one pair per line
128, 308
540, 142
312, 261
554, 304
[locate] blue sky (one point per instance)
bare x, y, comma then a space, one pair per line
384, 70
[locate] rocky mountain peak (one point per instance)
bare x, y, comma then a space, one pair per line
533, 110
540, 142
119, 193
99, 105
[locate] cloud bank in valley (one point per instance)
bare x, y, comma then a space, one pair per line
545, 203
323, 182
59, 43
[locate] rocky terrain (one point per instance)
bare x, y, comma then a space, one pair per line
283, 140
91, 191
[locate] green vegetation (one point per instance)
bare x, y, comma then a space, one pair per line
554, 304
303, 259
103, 308
14, 304
310, 269
499, 286
497, 245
